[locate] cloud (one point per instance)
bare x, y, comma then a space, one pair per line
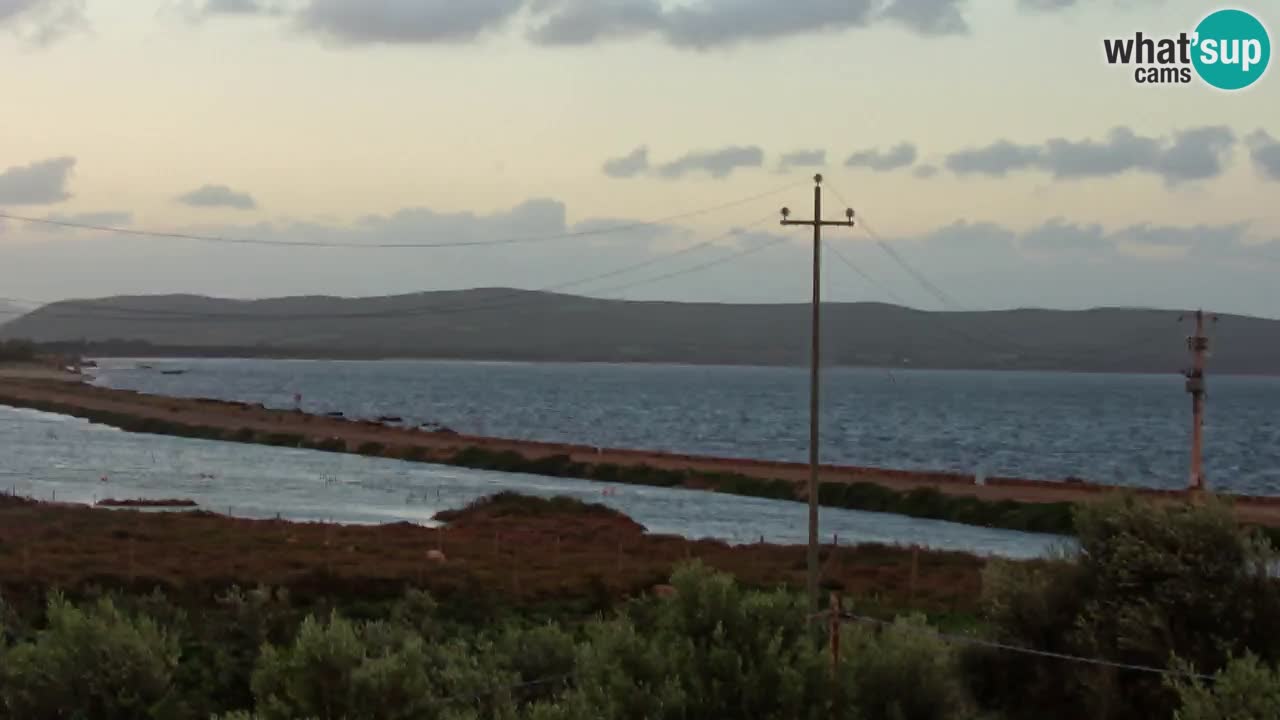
1207, 237
1264, 150
1194, 154
718, 163
40, 183
693, 25
1225, 243
405, 21
40, 23
1197, 154
579, 22
629, 165
1058, 236
709, 24
237, 7
213, 196
924, 172
999, 158
929, 17
802, 158
899, 156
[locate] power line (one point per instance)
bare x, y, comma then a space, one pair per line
115, 312
392, 245
1007, 345
865, 275
992, 645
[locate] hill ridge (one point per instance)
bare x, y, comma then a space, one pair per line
515, 324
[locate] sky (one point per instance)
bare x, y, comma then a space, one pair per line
987, 143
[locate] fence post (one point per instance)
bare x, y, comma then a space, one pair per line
915, 573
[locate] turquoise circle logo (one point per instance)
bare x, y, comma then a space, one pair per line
1232, 49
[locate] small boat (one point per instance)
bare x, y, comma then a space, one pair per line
391, 419
173, 372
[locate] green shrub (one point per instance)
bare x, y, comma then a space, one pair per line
340, 670
712, 651
902, 672
92, 663
1147, 583
1246, 689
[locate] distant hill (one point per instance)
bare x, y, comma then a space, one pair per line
10, 311
502, 324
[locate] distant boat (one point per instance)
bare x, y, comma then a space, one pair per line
173, 372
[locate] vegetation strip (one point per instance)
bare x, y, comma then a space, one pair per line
1164, 612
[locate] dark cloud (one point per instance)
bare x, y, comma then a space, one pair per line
629, 165
42, 22
929, 17
720, 23
899, 156
802, 158
1193, 154
1265, 153
214, 196
997, 159
579, 22
40, 183
1123, 150
717, 163
924, 172
698, 25
1197, 154
405, 21
238, 7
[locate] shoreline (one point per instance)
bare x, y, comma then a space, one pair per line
200, 354
1039, 506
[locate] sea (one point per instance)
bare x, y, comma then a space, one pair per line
1122, 429
1129, 430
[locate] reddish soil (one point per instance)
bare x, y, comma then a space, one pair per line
78, 398
542, 557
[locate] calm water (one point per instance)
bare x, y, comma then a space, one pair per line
57, 457
1122, 429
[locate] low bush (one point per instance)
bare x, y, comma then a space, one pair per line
91, 662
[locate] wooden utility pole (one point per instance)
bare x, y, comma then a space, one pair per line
814, 361
1198, 344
